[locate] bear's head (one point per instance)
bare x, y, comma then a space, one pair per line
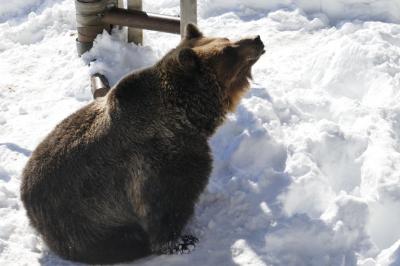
230, 61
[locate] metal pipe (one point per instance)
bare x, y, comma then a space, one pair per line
188, 14
89, 23
135, 35
141, 20
99, 85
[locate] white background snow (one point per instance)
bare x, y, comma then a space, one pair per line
306, 172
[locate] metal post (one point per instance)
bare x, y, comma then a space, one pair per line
135, 35
99, 85
188, 14
89, 23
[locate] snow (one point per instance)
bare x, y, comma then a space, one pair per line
390, 256
103, 59
333, 10
306, 171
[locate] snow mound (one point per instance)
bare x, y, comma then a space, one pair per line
16, 9
103, 58
334, 11
390, 256
36, 27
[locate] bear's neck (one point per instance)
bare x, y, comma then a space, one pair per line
198, 95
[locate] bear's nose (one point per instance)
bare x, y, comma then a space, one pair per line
259, 44
258, 41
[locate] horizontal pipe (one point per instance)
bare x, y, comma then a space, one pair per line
141, 20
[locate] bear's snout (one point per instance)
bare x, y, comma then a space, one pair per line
259, 44
251, 47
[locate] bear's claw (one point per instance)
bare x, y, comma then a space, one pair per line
184, 245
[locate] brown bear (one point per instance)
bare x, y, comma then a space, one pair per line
118, 179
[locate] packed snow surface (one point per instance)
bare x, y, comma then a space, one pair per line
306, 171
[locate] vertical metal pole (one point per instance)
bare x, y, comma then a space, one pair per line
120, 4
88, 22
135, 35
188, 14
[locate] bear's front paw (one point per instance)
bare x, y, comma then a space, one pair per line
183, 245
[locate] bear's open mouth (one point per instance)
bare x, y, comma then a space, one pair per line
253, 59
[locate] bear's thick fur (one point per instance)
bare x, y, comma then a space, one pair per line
118, 179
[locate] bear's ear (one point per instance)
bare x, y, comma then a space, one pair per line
188, 58
192, 31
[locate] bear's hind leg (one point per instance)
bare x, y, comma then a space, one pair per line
119, 244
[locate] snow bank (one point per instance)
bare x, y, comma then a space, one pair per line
305, 171
15, 9
390, 256
103, 58
333, 10
56, 20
